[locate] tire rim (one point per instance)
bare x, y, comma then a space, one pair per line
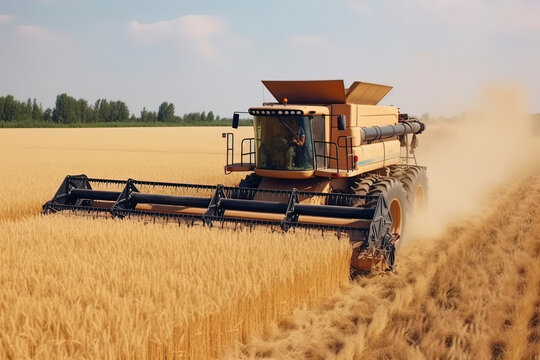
397, 216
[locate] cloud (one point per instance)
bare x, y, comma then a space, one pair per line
7, 19
306, 41
204, 32
40, 35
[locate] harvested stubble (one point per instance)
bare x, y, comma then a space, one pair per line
96, 288
473, 293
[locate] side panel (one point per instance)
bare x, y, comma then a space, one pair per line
370, 156
344, 109
377, 155
369, 115
392, 152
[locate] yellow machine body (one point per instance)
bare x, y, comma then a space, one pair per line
344, 153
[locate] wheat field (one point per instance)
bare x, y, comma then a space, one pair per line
34, 161
467, 284
74, 287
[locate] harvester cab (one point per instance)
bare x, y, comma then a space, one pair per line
322, 158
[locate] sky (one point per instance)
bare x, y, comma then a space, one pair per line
212, 55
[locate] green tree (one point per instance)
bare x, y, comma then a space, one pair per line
84, 111
119, 112
165, 112
47, 115
2, 102
66, 110
148, 116
11, 109
37, 111
103, 109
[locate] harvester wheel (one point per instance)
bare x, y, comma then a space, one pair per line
396, 200
251, 181
383, 256
360, 186
415, 183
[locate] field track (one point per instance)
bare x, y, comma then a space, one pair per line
472, 293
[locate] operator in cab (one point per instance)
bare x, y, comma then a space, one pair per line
295, 154
284, 143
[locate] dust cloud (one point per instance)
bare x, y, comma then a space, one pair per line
470, 156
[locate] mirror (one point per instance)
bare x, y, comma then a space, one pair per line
342, 122
235, 120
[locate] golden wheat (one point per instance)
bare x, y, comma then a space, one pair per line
34, 161
75, 287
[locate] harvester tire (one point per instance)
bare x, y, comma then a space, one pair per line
415, 182
360, 186
251, 181
396, 199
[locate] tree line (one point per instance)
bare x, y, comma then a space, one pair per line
71, 111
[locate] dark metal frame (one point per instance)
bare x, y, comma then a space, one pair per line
76, 194
349, 154
230, 150
250, 153
327, 157
243, 153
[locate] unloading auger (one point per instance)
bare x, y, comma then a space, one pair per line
333, 162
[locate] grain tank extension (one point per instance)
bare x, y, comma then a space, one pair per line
322, 158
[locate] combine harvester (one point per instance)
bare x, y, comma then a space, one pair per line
323, 158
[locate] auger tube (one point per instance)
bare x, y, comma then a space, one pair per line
384, 132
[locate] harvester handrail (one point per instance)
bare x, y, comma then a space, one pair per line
251, 152
230, 150
326, 157
336, 147
348, 154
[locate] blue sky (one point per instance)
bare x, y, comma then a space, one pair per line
211, 55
